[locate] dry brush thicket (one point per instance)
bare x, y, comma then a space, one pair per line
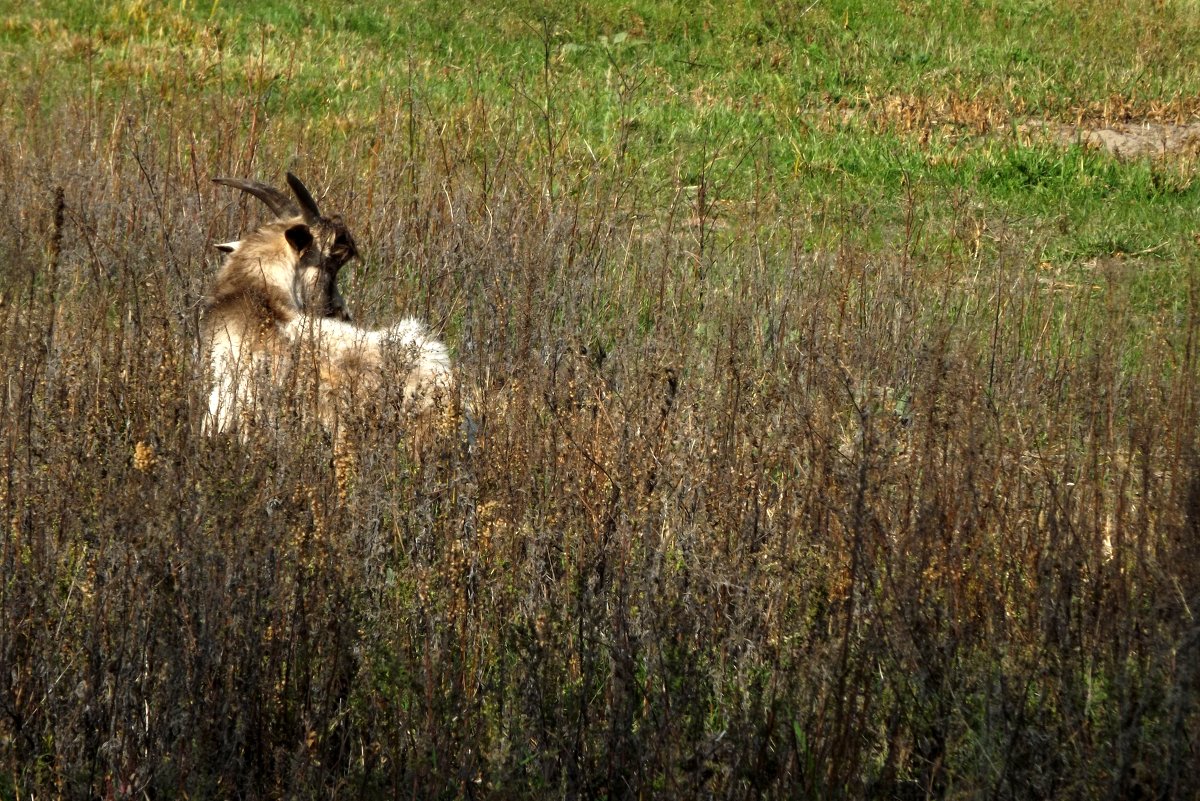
735, 518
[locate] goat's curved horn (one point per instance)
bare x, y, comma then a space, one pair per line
276, 201
308, 206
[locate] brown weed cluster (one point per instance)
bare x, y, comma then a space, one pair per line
725, 517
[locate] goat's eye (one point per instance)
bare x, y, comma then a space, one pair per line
345, 244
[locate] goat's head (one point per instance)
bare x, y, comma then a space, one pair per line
322, 244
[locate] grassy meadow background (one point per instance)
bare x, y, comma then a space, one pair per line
836, 415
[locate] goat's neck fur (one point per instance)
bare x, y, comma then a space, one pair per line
244, 323
257, 287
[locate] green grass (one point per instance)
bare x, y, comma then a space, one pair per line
723, 93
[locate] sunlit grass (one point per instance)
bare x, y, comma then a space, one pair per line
834, 434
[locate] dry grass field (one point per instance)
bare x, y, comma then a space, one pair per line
830, 437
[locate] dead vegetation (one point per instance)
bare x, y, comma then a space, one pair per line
735, 521
1120, 125
1124, 140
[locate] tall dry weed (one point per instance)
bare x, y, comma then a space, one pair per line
733, 519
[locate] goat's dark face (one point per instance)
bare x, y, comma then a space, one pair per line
329, 247
323, 245
318, 295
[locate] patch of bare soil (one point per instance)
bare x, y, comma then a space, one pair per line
1123, 139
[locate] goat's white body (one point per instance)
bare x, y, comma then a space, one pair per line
242, 375
405, 350
348, 358
228, 394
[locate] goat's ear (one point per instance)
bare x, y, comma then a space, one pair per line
299, 237
228, 247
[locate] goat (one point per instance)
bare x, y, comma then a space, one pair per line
324, 242
275, 303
